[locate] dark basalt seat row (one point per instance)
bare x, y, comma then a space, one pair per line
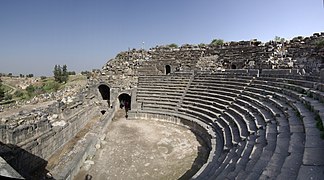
264, 127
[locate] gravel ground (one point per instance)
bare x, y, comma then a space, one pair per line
143, 149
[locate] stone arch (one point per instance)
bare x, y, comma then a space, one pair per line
105, 92
125, 100
233, 66
167, 69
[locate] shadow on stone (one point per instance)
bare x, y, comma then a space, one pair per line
27, 165
201, 159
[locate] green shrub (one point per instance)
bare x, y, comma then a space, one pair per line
319, 123
217, 42
173, 45
8, 97
18, 93
298, 114
51, 86
320, 43
2, 93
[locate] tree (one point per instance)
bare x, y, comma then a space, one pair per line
217, 42
57, 73
202, 45
173, 45
85, 72
71, 73
30, 90
279, 39
2, 93
65, 74
320, 43
60, 73
29, 75
19, 93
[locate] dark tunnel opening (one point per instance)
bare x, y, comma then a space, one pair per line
103, 112
167, 69
124, 101
105, 92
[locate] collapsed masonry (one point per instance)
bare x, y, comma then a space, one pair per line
306, 54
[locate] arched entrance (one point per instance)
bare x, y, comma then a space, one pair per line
233, 66
125, 101
167, 69
105, 92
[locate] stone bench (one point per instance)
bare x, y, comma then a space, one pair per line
239, 163
298, 82
248, 116
255, 169
164, 84
230, 159
266, 126
264, 111
207, 116
258, 113
297, 95
243, 132
234, 81
218, 103
200, 103
311, 102
158, 98
220, 93
160, 106
160, 90
235, 132
158, 93
215, 84
241, 121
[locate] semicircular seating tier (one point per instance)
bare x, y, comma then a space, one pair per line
258, 127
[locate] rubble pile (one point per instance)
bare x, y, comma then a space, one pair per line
305, 53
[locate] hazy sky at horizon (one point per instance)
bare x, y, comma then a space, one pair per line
37, 34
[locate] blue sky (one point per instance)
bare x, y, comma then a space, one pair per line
37, 34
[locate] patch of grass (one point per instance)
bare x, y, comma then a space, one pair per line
298, 114
309, 107
322, 135
6, 88
320, 43
319, 123
51, 86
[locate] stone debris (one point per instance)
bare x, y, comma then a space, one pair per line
59, 123
302, 53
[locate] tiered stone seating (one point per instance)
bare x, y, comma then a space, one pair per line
161, 93
264, 127
302, 125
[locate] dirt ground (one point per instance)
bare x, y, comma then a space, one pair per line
143, 149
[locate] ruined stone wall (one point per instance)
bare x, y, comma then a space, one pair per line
41, 132
306, 53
